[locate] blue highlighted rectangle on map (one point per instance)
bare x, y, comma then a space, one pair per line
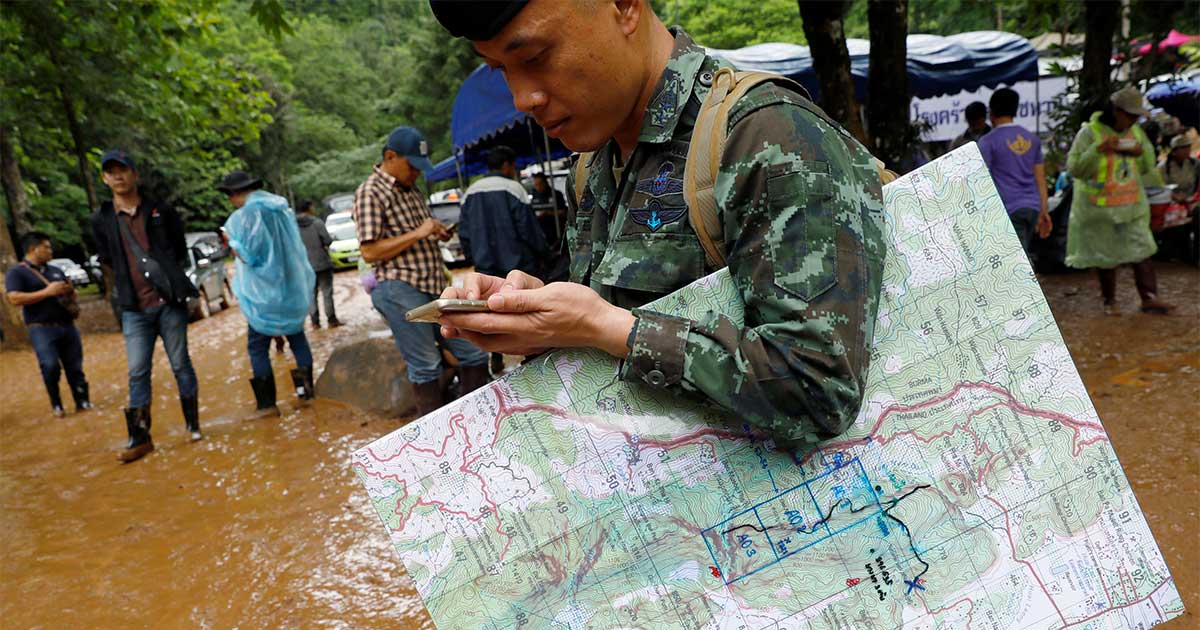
792, 520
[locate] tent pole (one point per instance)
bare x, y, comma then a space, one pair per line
462, 187
1037, 94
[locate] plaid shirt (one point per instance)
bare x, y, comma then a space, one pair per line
382, 209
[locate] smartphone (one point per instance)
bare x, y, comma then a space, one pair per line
450, 227
431, 311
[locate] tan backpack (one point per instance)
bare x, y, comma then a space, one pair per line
704, 156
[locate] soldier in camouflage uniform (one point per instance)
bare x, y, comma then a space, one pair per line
800, 203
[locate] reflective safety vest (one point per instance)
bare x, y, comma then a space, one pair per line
1117, 182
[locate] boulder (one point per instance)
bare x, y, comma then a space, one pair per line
370, 375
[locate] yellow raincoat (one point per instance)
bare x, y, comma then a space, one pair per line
1110, 217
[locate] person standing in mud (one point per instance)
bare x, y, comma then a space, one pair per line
142, 240
396, 234
1111, 159
40, 289
316, 242
273, 285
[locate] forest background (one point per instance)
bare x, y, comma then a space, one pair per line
302, 92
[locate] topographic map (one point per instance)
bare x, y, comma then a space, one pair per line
977, 488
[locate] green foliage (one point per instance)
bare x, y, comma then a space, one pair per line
301, 92
735, 23
335, 172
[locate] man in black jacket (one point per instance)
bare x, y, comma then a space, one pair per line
143, 241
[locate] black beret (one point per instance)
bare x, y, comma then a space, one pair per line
476, 20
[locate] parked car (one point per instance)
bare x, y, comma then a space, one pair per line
71, 269
206, 270
343, 251
92, 266
445, 209
338, 203
214, 239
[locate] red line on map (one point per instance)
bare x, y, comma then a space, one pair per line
1008, 531
1099, 573
970, 610
1010, 402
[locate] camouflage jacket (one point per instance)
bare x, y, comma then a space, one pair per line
801, 209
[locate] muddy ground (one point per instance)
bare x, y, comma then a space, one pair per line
263, 525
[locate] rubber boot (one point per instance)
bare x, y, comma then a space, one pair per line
55, 397
264, 397
191, 417
471, 378
497, 364
302, 378
1147, 286
429, 397
137, 423
82, 401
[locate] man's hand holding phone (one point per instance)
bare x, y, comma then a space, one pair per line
528, 316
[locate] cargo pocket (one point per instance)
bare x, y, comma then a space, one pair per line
802, 242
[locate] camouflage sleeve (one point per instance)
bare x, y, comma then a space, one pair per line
801, 205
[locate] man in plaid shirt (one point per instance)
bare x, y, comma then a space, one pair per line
396, 232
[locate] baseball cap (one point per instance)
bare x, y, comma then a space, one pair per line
119, 156
476, 20
411, 145
1129, 100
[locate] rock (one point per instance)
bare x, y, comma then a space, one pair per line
370, 375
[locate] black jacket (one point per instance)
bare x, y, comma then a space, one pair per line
168, 246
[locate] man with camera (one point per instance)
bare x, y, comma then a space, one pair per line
47, 302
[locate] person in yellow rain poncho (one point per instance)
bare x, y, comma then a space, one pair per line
1112, 160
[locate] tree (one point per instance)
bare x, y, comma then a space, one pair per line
14, 187
827, 44
15, 332
1095, 77
887, 83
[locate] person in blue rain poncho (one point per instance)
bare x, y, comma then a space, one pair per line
273, 285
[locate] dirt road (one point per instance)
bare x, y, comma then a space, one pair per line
263, 524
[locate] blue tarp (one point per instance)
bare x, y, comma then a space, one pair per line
1179, 98
936, 65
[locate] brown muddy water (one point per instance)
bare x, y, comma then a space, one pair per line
263, 524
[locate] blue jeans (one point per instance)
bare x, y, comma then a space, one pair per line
1024, 221
141, 328
418, 342
57, 346
259, 347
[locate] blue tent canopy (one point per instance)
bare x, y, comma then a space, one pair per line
936, 64
484, 116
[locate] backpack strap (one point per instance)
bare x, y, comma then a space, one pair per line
707, 146
581, 175
704, 156
705, 150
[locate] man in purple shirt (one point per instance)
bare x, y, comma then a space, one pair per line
1014, 156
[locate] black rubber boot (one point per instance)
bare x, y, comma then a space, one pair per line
264, 396
302, 379
137, 423
55, 397
82, 401
191, 416
429, 397
472, 377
